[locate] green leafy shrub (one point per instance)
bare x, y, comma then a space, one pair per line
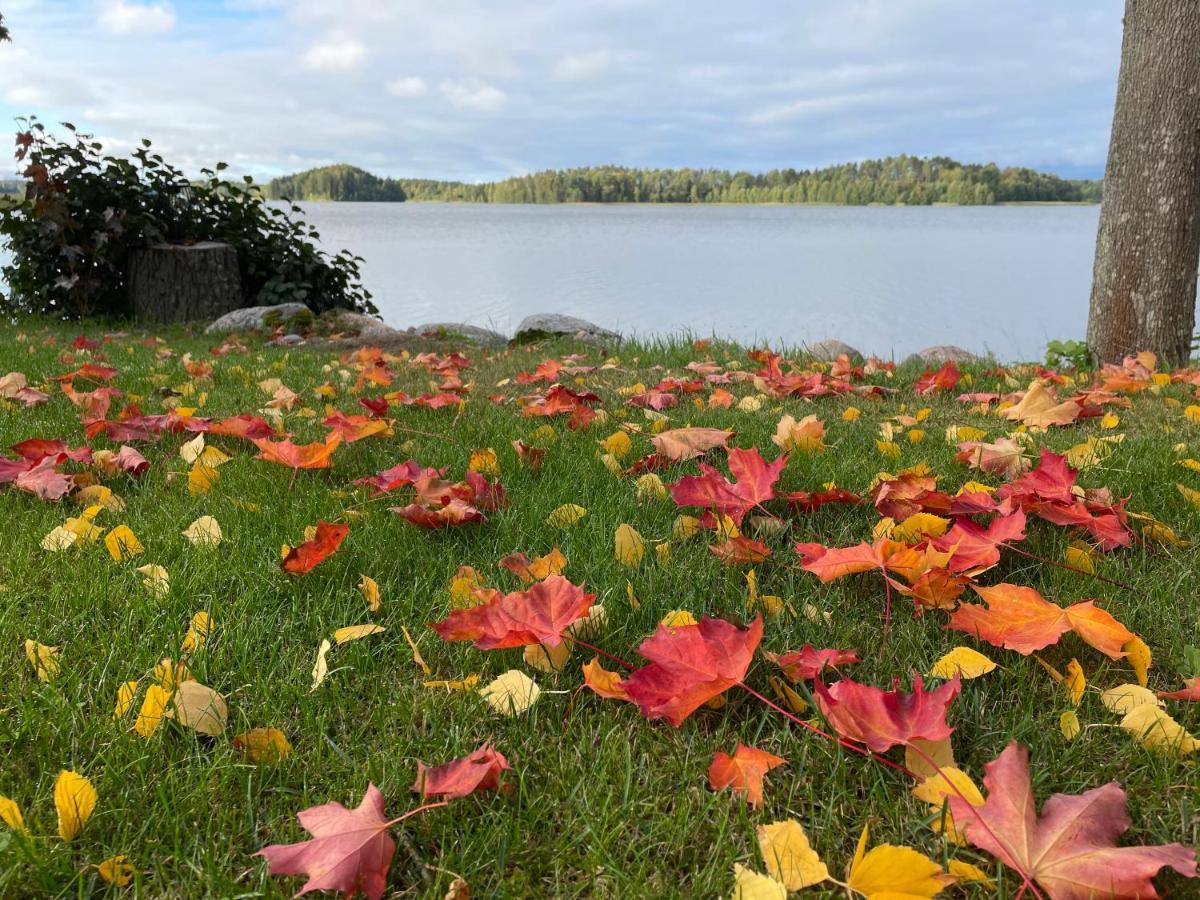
1073, 353
84, 213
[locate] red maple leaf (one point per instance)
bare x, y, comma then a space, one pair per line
811, 501
909, 494
350, 849
299, 456
44, 480
743, 771
976, 548
1190, 693
400, 475
456, 512
37, 449
477, 771
882, 719
1070, 849
690, 665
944, 379
753, 484
305, 557
740, 549
807, 663
242, 426
538, 615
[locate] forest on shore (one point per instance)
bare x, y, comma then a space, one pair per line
907, 180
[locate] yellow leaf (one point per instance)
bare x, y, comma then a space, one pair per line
684, 527
663, 552
890, 449
154, 706
566, 515
191, 450
98, 495
888, 872
950, 782
957, 434
1138, 655
628, 545
156, 579
1124, 697
43, 658
788, 856
750, 404
10, 815
965, 871
1068, 724
512, 693
547, 659
369, 589
356, 632
457, 684
920, 526
116, 870
263, 745
484, 461
966, 662
1109, 421
204, 532
751, 885
1192, 414
651, 487
1074, 682
58, 539
201, 479
618, 444
197, 633
416, 653
677, 618
74, 799
125, 695
805, 436
169, 673
923, 758
851, 414
1155, 730
787, 695
915, 435
1192, 496
200, 708
321, 668
1079, 559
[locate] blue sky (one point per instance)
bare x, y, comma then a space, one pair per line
475, 90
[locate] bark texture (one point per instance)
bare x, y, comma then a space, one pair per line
184, 283
1144, 280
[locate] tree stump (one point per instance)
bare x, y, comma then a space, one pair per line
184, 282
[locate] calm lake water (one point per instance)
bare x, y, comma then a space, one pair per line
887, 280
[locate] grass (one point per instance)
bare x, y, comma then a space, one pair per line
603, 803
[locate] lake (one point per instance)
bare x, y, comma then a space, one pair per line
888, 280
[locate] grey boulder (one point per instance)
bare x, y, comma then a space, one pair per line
541, 325
251, 318
830, 349
484, 337
942, 354
362, 325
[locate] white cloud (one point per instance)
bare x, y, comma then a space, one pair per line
410, 86
123, 17
473, 94
581, 66
338, 54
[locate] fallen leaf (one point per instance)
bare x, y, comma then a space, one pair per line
537, 615
309, 554
198, 707
321, 667
477, 771
511, 693
566, 515
43, 658
1124, 697
10, 815
204, 532
628, 546
122, 543
74, 800
153, 710
743, 771
888, 872
789, 857
263, 745
117, 870
356, 632
963, 661
883, 719
1154, 729
751, 885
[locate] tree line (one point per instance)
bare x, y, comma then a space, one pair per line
901, 179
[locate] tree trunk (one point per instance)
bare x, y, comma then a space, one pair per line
1144, 280
184, 283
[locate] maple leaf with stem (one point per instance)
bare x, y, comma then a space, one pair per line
538, 615
753, 484
743, 771
1070, 849
306, 556
477, 771
883, 719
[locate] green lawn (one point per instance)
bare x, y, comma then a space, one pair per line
603, 803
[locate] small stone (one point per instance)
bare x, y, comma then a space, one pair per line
942, 354
484, 337
541, 325
252, 318
830, 349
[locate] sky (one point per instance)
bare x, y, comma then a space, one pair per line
474, 90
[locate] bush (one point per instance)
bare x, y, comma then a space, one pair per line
84, 213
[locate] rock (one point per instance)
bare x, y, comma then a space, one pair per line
361, 324
541, 325
251, 318
290, 340
830, 349
484, 337
936, 356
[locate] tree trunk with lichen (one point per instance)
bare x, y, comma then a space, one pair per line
184, 282
1148, 244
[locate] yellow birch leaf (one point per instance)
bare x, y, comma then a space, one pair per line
75, 800
321, 668
512, 693
356, 632
125, 695
156, 579
628, 546
43, 658
484, 461
154, 706
116, 870
1156, 730
677, 618
204, 532
191, 450
198, 632
751, 885
1138, 655
200, 708
547, 659
923, 758
1074, 682
369, 589
1192, 496
888, 872
1068, 724
58, 539
1124, 697
684, 527
122, 543
936, 788
455, 684
10, 815
788, 856
618, 444
966, 662
651, 487
1079, 559
566, 515
201, 479
787, 695
416, 653
965, 871
263, 745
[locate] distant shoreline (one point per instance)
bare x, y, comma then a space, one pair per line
722, 203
